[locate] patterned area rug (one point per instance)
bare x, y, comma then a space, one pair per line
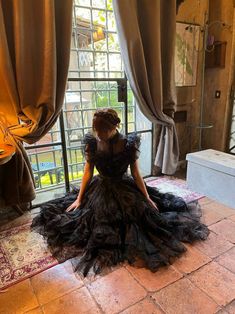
24, 253
175, 186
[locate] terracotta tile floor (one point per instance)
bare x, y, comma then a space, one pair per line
201, 281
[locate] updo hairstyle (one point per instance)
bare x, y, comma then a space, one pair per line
105, 120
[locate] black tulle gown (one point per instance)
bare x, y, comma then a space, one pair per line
115, 222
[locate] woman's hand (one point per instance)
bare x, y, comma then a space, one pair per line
151, 202
87, 176
74, 205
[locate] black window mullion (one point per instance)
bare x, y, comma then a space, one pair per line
64, 152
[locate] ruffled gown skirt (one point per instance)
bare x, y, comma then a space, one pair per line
115, 223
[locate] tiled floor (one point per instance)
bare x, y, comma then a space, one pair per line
201, 281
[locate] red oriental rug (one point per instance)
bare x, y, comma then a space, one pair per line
24, 253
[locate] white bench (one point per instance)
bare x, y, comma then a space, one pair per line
212, 173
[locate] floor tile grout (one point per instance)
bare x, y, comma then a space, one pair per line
150, 293
61, 296
157, 304
30, 280
210, 297
198, 248
184, 275
94, 299
136, 279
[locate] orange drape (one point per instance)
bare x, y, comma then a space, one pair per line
34, 58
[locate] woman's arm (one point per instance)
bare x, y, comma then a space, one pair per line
140, 182
87, 176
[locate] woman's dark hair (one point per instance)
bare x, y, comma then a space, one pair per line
105, 119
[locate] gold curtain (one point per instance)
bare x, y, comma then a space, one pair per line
35, 41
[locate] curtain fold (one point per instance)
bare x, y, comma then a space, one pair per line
35, 41
146, 31
178, 3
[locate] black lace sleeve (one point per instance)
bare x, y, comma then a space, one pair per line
132, 146
89, 147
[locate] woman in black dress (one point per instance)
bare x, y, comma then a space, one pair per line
114, 217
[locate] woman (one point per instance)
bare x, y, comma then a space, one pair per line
113, 216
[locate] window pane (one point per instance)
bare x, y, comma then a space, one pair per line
99, 4
94, 34
115, 62
99, 17
82, 2
145, 158
47, 166
101, 63
82, 15
111, 22
113, 44
138, 119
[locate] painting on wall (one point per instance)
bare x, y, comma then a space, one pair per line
186, 54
